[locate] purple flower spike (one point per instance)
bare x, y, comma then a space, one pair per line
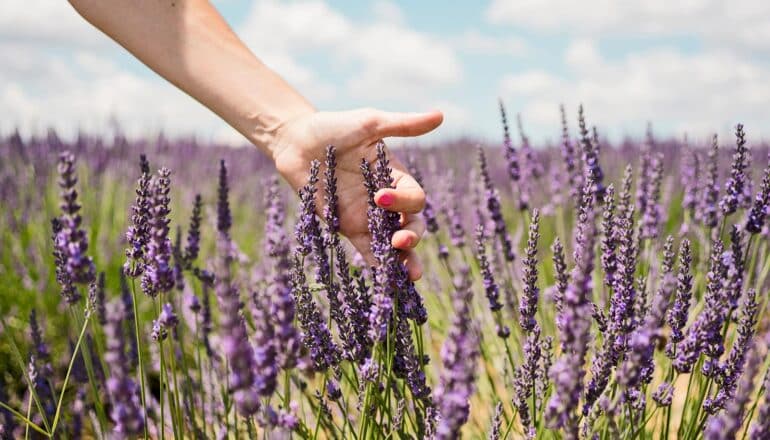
282, 309
224, 218
575, 320
123, 392
488, 278
705, 334
761, 428
677, 315
690, 173
609, 237
71, 240
727, 424
733, 367
159, 273
495, 209
570, 157
316, 335
511, 157
531, 293
429, 211
234, 338
650, 209
561, 275
707, 212
194, 235
593, 171
265, 346
736, 183
757, 216
459, 353
137, 235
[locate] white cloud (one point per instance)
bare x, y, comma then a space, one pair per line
475, 42
47, 23
698, 93
741, 23
86, 91
384, 60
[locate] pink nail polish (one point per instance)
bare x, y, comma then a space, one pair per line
386, 200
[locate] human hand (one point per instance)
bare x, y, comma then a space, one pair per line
355, 133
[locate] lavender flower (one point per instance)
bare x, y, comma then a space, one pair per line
664, 394
704, 335
138, 231
167, 320
459, 353
609, 237
756, 218
560, 273
265, 346
234, 339
707, 213
159, 274
511, 157
761, 428
429, 211
454, 215
593, 171
525, 378
690, 172
355, 305
407, 365
282, 310
194, 233
638, 367
531, 169
567, 373
497, 423
97, 299
224, 218
735, 185
571, 159
677, 315
726, 425
71, 241
732, 368
69, 292
316, 335
488, 278
531, 293
123, 392
494, 208
650, 212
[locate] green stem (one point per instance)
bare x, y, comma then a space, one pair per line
69, 371
29, 423
140, 365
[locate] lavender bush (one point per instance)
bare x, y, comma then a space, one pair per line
585, 290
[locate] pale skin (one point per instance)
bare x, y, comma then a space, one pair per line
188, 43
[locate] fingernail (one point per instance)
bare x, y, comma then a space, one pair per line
386, 200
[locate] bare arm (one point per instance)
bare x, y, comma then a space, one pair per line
188, 43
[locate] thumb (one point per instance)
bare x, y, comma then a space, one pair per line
391, 124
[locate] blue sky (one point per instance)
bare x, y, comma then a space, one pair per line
697, 67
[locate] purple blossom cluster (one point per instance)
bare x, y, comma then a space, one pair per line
636, 309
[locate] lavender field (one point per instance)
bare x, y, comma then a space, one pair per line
166, 288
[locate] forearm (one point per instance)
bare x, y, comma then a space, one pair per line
189, 43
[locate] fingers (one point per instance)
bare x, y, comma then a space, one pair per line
387, 124
410, 235
413, 264
407, 196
